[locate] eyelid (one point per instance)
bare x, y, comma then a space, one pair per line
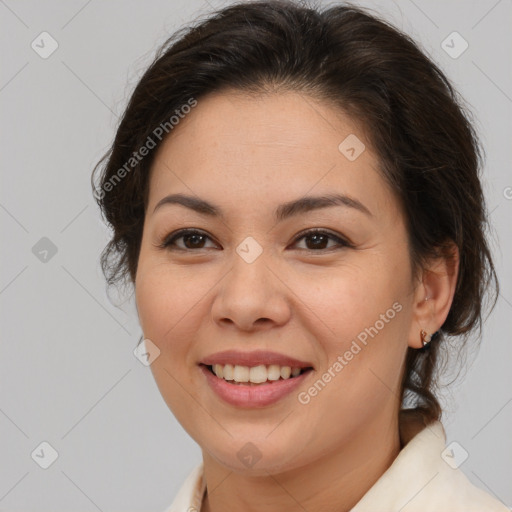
171, 237
342, 241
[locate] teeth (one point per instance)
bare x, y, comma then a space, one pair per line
254, 374
241, 374
218, 369
226, 373
295, 372
273, 372
258, 374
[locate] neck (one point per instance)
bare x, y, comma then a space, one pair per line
335, 481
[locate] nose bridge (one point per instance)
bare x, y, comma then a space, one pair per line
250, 250
249, 269
251, 290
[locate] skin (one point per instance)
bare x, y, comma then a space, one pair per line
247, 155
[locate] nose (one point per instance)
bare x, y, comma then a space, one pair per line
251, 297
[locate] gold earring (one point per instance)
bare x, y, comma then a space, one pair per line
425, 337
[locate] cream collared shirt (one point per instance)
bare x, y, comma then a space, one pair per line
422, 478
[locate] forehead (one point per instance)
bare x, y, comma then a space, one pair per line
266, 149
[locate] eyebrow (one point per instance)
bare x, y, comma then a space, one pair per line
299, 206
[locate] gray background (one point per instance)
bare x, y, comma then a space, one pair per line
68, 373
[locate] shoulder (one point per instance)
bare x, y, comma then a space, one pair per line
190, 494
423, 478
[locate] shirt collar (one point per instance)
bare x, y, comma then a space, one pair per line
416, 436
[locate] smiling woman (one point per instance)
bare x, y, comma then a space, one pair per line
301, 243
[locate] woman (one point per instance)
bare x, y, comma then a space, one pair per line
295, 197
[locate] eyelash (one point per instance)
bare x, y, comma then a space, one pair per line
170, 239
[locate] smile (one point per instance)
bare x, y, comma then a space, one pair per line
260, 374
236, 386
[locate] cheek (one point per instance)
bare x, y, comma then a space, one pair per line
363, 313
351, 299
164, 298
172, 303
166, 313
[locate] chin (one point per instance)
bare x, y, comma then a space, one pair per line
255, 459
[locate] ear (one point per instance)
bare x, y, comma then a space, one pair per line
433, 295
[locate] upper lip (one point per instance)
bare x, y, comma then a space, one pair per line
255, 358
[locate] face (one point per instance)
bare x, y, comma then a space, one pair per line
328, 285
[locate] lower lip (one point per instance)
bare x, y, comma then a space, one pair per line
260, 395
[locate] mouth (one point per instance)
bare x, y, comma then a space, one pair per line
255, 375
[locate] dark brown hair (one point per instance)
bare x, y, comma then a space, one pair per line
346, 56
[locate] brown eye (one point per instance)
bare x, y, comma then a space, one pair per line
192, 239
318, 240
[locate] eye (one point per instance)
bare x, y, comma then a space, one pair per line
319, 238
195, 239
192, 239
